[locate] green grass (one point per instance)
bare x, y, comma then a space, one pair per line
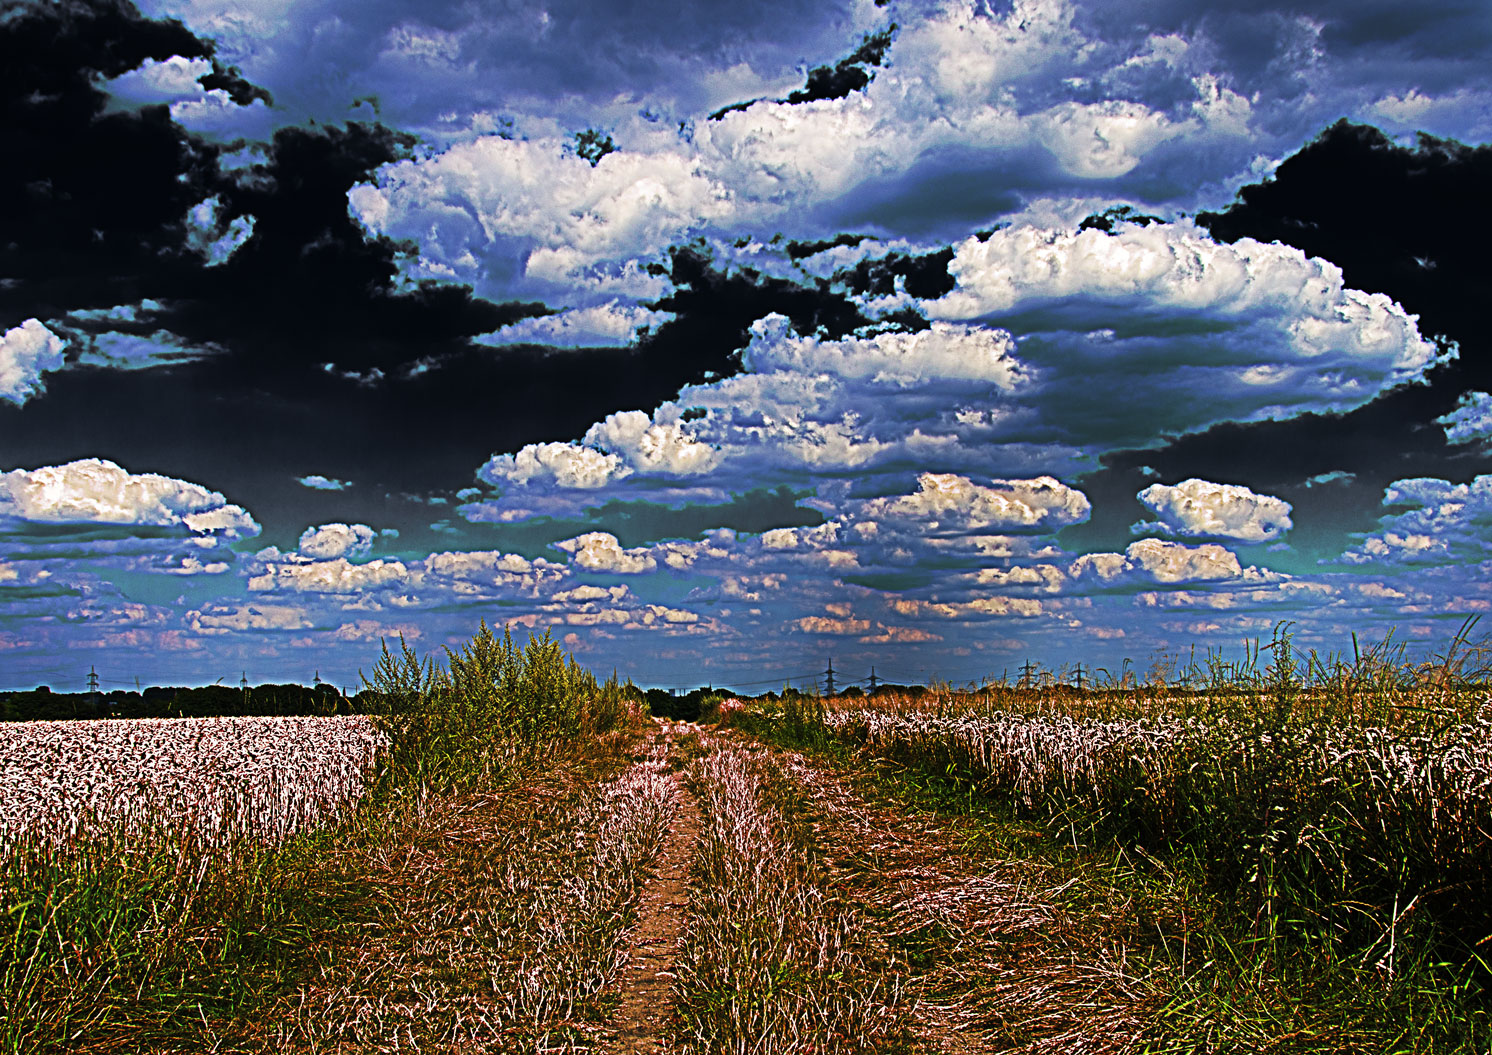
154, 940
1277, 908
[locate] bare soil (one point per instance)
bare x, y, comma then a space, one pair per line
641, 1023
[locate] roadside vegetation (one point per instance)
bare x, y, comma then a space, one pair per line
1302, 845
1289, 854
156, 927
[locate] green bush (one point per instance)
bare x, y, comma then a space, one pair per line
492, 707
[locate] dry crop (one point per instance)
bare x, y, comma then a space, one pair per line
223, 779
1331, 833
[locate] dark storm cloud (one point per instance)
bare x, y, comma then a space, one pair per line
1410, 222
313, 353
1247, 35
414, 56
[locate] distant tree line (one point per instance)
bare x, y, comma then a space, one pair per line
42, 704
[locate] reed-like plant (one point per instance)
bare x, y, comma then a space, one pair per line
492, 706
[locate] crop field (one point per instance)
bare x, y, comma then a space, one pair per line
512, 857
223, 779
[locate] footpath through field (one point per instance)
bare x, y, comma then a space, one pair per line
706, 893
990, 959
650, 954
488, 922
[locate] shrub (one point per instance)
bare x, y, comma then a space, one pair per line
495, 706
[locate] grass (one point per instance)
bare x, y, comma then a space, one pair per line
771, 962
1295, 858
157, 937
496, 922
1285, 856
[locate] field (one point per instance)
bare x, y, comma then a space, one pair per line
511, 856
223, 779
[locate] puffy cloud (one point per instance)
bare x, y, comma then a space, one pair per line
586, 594
330, 541
1157, 560
329, 576
655, 447
947, 504
1199, 509
488, 574
1176, 268
1471, 421
1103, 140
828, 624
482, 564
964, 89
224, 618
808, 406
900, 635
26, 352
92, 490
600, 551
902, 360
570, 214
1452, 524
318, 482
1209, 333
1041, 578
598, 325
560, 464
802, 538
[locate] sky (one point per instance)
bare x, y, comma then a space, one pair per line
726, 341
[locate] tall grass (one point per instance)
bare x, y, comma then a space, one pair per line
133, 927
493, 707
1333, 812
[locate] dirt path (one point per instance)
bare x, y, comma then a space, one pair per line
645, 979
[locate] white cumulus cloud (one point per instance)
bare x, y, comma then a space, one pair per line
1200, 509
1161, 561
222, 618
1452, 523
600, 551
567, 465
92, 490
948, 504
1177, 267
337, 576
26, 352
330, 541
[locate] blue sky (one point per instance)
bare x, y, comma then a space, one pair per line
721, 341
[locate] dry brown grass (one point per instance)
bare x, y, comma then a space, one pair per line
488, 921
995, 960
771, 960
